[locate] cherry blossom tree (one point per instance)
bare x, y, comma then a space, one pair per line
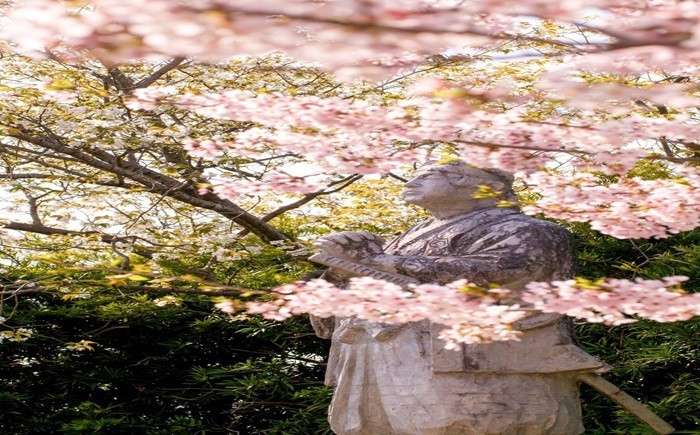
574, 97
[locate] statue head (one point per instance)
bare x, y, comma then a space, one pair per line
452, 186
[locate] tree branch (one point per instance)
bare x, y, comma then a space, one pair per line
34, 210
105, 238
347, 181
518, 147
627, 402
155, 181
120, 80
306, 199
160, 72
378, 27
27, 175
43, 229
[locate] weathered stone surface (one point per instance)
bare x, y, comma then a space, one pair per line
399, 379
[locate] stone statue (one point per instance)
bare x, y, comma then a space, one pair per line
399, 379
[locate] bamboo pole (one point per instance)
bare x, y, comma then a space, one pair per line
627, 402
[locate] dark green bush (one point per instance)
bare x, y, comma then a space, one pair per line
189, 369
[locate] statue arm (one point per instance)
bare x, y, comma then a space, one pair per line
323, 326
479, 269
510, 255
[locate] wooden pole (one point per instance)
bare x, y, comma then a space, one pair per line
627, 402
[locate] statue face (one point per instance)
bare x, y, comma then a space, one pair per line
434, 188
429, 187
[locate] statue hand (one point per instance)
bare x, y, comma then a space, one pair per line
354, 246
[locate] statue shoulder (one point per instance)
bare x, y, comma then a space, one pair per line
539, 228
551, 246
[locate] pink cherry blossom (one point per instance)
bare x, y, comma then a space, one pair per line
615, 301
270, 181
472, 315
600, 125
467, 317
629, 208
349, 37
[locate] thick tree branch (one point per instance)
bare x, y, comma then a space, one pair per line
87, 180
18, 151
34, 210
39, 160
111, 240
155, 181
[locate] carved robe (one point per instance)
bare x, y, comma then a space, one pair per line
399, 379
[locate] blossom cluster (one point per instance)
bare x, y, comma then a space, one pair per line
615, 301
471, 314
336, 134
351, 36
276, 181
629, 208
358, 137
467, 316
330, 32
